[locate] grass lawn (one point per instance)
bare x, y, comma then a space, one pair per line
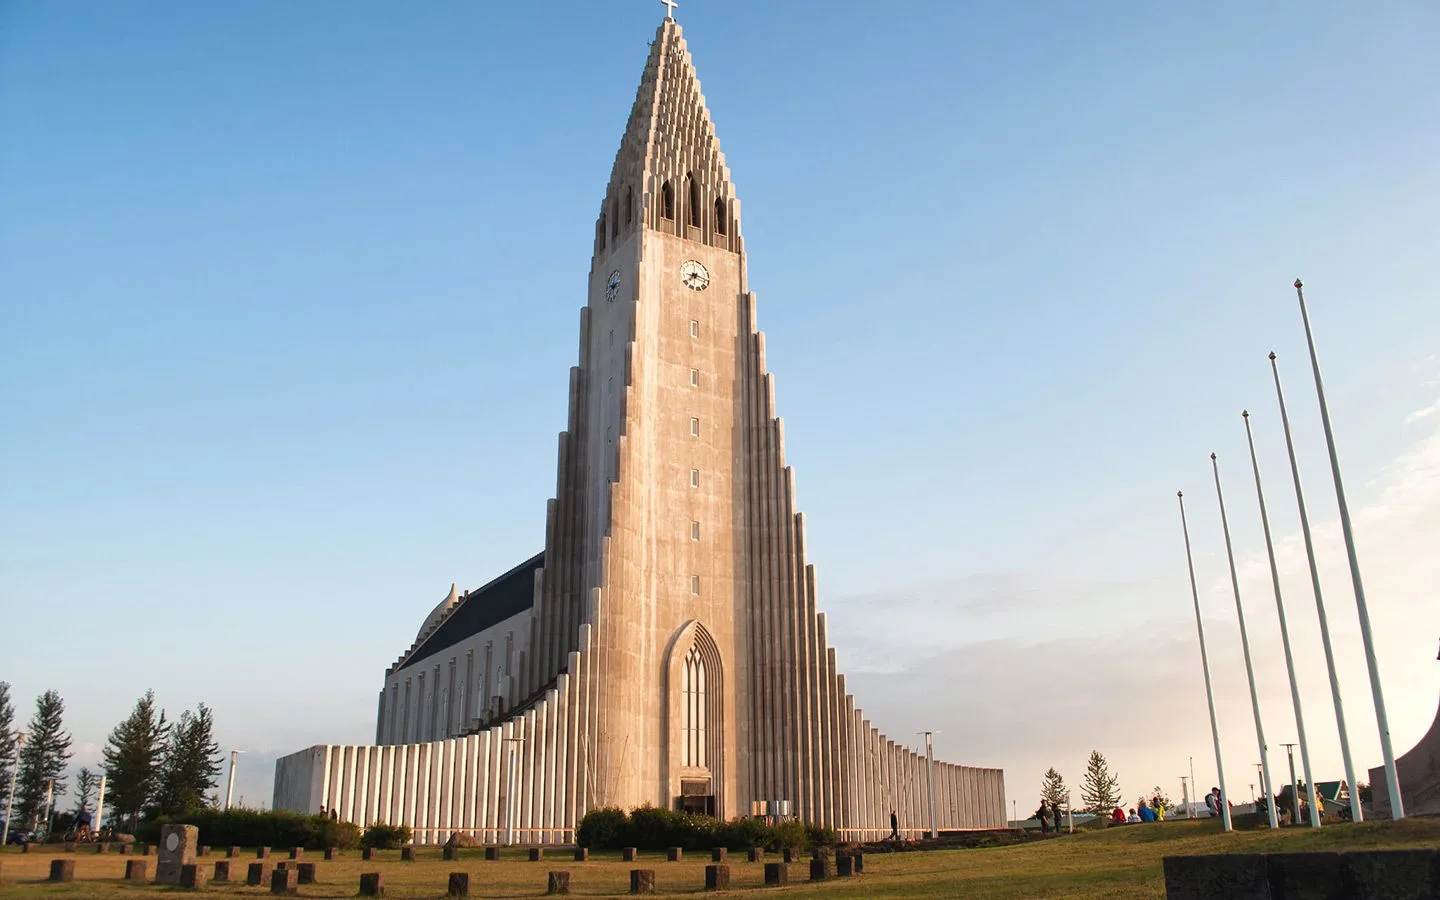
1115, 863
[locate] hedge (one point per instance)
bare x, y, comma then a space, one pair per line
259, 828
653, 828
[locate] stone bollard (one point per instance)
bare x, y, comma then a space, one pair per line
135, 870
124, 849
297, 852
788, 855
70, 847
642, 881
449, 852
459, 885
673, 854
202, 850
262, 853
776, 875
821, 868
559, 883
62, 870
222, 870
102, 847
492, 853
372, 884
258, 873
232, 852
285, 881
582, 854
844, 865
367, 854
407, 854
857, 861
755, 854
719, 854
193, 876
306, 870
144, 849
717, 878
330, 853
537, 854
25, 847
628, 854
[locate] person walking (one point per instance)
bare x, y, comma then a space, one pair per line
894, 826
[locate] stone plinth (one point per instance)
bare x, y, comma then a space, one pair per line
719, 854
777, 874
297, 852
193, 876
177, 850
755, 854
673, 854
449, 852
407, 854
857, 859
135, 870
62, 870
537, 854
372, 884
558, 883
821, 869
259, 873
492, 853
367, 853
202, 850
232, 852
285, 881
717, 877
642, 881
222, 870
844, 865
629, 854
124, 849
331, 853
306, 871
102, 847
70, 847
582, 854
788, 855
262, 852
459, 885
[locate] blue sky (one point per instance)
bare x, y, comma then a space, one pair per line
288, 293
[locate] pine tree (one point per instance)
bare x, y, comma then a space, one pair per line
1159, 793
7, 736
133, 755
1052, 789
42, 759
86, 782
1100, 790
191, 763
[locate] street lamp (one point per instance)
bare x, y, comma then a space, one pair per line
10, 805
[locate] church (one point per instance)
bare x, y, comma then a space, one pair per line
666, 647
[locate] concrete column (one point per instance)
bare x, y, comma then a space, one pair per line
449, 764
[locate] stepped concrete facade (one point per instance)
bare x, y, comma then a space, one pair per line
666, 648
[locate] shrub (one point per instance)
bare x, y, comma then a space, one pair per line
604, 829
790, 836
386, 837
819, 835
258, 828
744, 834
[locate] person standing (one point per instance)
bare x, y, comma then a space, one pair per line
894, 826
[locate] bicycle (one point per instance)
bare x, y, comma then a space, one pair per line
78, 834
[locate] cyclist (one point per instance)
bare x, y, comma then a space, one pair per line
82, 824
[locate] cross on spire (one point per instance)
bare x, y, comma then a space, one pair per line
669, 8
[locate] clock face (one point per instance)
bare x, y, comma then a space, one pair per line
612, 287
695, 275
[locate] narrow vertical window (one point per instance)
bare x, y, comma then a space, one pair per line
629, 205
692, 726
694, 478
694, 531
694, 427
615, 217
694, 200
667, 201
694, 328
695, 378
695, 585
612, 338
600, 233
721, 216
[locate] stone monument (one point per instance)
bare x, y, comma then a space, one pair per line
178, 844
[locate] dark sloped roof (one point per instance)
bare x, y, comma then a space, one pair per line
511, 593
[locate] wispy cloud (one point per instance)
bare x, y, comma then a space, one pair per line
1423, 413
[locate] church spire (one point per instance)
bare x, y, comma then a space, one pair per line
669, 173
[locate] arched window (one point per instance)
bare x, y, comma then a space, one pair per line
615, 217
694, 198
721, 217
629, 206
693, 720
667, 201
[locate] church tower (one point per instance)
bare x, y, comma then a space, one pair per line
672, 653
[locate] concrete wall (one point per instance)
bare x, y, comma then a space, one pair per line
1419, 774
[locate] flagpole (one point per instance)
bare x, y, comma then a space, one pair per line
1224, 803
1392, 781
1357, 812
1284, 627
1245, 645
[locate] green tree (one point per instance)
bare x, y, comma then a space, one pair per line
1052, 789
191, 763
86, 782
7, 736
1159, 792
42, 758
133, 755
1101, 788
